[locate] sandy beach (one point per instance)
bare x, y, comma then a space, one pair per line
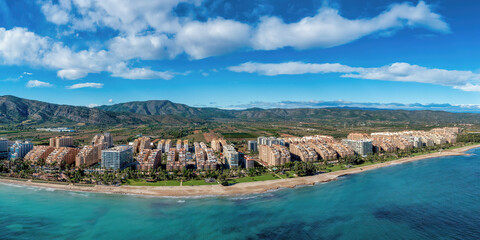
237, 189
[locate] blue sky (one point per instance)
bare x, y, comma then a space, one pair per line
237, 54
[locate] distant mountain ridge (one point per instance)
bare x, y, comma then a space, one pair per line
161, 107
15, 110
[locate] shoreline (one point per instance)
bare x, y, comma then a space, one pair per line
238, 189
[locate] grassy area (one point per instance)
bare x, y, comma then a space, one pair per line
264, 177
197, 183
142, 182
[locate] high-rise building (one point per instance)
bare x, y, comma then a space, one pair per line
270, 141
105, 139
149, 159
179, 144
140, 144
88, 155
231, 156
216, 145
62, 155
161, 145
63, 141
303, 152
361, 147
274, 155
118, 157
252, 146
168, 145
19, 149
3, 145
37, 153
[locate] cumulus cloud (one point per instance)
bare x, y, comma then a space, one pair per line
147, 47
110, 100
291, 68
150, 30
72, 74
19, 46
328, 28
36, 84
400, 72
214, 37
85, 85
57, 13
121, 70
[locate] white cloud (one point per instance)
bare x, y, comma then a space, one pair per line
404, 72
328, 28
85, 85
131, 16
92, 105
400, 72
27, 73
19, 46
150, 30
36, 83
121, 70
469, 87
71, 74
110, 100
148, 47
214, 37
290, 68
57, 13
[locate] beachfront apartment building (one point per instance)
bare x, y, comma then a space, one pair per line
3, 145
63, 155
37, 153
303, 152
172, 155
19, 149
361, 147
161, 145
105, 139
179, 144
274, 155
63, 141
182, 155
231, 156
168, 145
141, 143
149, 159
3, 148
88, 155
118, 157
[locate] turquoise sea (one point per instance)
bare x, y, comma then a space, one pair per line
429, 199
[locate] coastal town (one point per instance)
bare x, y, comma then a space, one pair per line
176, 156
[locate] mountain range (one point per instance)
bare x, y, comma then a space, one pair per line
15, 110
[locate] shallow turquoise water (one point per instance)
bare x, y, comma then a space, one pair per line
429, 199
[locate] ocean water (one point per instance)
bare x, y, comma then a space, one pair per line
429, 199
